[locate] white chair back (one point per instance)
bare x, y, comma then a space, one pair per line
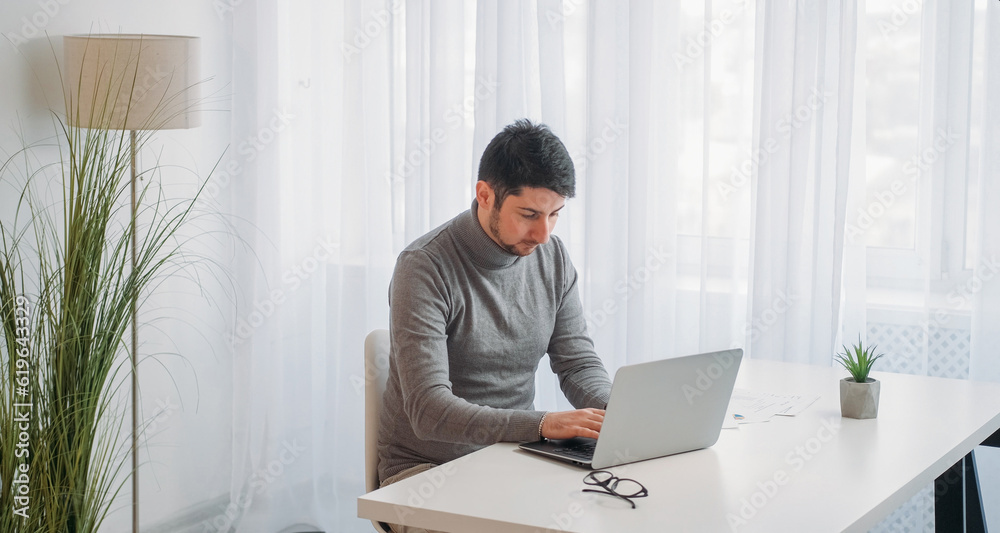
376, 374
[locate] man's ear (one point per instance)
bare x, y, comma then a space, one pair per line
485, 195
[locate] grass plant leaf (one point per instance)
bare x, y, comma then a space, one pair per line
66, 262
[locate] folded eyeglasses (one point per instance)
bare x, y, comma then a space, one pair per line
613, 485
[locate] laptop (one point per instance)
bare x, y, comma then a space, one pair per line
656, 409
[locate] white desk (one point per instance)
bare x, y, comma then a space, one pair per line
813, 472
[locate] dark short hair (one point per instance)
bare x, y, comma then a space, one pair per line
525, 154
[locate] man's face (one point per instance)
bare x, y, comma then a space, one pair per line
523, 221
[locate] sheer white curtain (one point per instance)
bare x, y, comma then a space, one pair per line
803, 135
920, 228
986, 303
313, 191
661, 243
722, 154
925, 220
352, 136
357, 128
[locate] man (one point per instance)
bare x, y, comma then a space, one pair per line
475, 304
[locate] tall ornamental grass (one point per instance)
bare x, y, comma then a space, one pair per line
67, 288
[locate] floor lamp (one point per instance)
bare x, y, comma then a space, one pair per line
131, 83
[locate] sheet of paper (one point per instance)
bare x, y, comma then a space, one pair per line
752, 406
797, 403
730, 422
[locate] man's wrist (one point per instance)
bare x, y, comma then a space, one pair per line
540, 422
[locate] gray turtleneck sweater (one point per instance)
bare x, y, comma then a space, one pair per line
469, 323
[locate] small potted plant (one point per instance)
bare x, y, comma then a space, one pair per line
859, 393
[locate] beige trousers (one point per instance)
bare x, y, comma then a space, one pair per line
409, 472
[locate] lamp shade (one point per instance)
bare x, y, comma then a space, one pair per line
131, 81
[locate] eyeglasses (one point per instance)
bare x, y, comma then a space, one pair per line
613, 485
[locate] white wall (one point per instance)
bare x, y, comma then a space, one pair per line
190, 439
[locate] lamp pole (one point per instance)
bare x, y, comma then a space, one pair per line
132, 82
135, 351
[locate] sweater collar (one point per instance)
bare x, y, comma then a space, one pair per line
484, 251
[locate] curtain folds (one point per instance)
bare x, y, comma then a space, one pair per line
985, 337
800, 195
720, 156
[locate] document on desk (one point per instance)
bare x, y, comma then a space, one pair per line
748, 407
732, 420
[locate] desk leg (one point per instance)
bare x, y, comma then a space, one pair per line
958, 504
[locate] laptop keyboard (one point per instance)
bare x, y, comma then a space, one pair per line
583, 450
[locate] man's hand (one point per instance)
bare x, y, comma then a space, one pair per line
568, 424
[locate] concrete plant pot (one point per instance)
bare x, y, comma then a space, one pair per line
859, 400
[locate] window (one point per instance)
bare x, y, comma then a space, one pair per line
919, 219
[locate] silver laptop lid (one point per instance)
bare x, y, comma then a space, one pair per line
666, 407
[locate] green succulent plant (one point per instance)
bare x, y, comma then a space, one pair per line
859, 360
